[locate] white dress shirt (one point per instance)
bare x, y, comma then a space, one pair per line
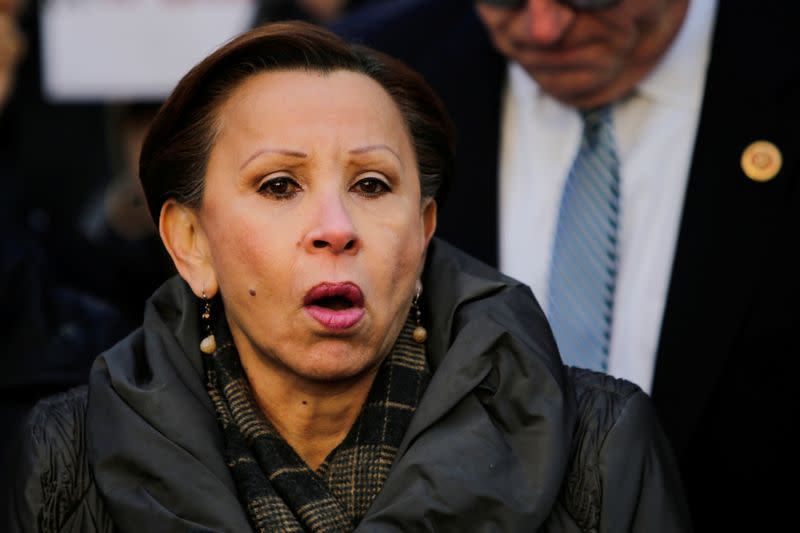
654, 130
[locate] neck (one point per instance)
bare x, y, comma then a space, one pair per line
313, 418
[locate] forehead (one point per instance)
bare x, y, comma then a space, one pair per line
292, 101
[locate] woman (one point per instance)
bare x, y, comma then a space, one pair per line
295, 377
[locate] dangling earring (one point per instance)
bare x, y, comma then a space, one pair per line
420, 334
209, 344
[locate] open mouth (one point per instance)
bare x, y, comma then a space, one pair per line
336, 296
335, 305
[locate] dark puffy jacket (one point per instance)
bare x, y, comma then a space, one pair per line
505, 438
67, 499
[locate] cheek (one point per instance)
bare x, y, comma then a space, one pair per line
498, 21
402, 246
245, 254
619, 30
234, 249
489, 16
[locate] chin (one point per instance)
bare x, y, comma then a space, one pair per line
333, 367
334, 376
575, 89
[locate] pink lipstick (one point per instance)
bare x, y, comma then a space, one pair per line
337, 306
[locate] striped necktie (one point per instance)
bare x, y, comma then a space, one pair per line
584, 262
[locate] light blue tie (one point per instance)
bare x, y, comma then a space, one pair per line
584, 264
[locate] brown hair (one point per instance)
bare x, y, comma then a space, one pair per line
175, 153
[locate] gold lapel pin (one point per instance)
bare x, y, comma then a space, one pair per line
761, 161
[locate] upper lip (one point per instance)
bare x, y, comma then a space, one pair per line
346, 290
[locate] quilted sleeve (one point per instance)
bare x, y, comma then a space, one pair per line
52, 487
641, 486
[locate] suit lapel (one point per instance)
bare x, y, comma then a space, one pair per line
728, 228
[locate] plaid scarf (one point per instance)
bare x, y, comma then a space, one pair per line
279, 491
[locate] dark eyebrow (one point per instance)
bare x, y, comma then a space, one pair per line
283, 151
373, 147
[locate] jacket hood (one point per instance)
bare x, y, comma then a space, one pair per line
490, 438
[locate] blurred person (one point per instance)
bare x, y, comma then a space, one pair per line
51, 332
12, 49
316, 11
12, 46
67, 153
60, 148
322, 363
114, 227
690, 289
122, 207
79, 201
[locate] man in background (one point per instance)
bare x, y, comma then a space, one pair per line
636, 163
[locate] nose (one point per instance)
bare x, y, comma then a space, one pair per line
547, 20
333, 230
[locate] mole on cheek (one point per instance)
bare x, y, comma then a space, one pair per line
252, 292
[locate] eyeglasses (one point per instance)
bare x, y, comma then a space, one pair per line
582, 5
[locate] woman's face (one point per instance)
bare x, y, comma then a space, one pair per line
314, 223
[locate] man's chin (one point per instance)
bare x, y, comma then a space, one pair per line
583, 89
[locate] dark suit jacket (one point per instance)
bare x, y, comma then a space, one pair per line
730, 338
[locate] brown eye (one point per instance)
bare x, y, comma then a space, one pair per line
371, 187
282, 188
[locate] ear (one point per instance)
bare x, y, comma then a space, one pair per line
429, 211
429, 208
187, 244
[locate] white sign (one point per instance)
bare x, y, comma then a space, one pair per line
131, 50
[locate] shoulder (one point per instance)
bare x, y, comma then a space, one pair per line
369, 24
601, 400
52, 485
623, 475
461, 291
443, 257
